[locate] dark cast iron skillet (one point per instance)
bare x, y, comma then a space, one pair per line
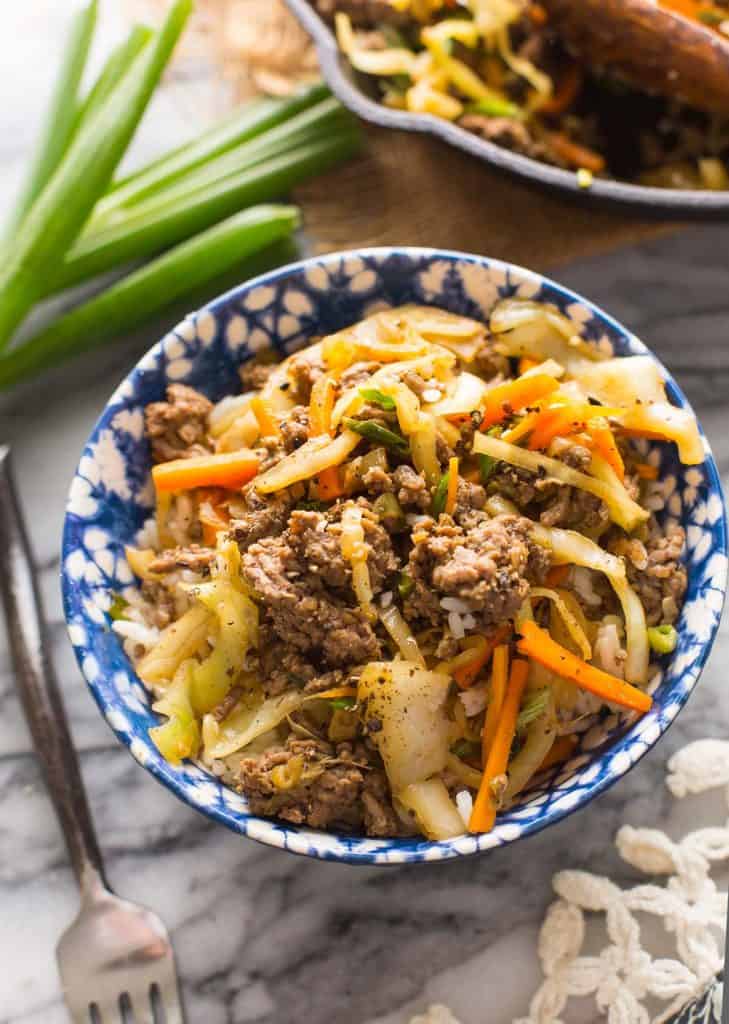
351, 89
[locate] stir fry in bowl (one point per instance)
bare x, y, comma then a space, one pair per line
503, 70
391, 580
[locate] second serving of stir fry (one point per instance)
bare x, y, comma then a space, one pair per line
501, 69
393, 579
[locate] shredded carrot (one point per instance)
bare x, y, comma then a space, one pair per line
537, 14
513, 395
266, 420
227, 469
452, 493
564, 419
329, 484
536, 643
557, 575
337, 691
604, 443
561, 749
566, 93
525, 363
213, 515
523, 427
321, 405
646, 471
466, 672
575, 155
483, 816
499, 677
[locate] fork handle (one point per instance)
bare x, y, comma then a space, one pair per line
39, 691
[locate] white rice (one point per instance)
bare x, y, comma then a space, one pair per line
469, 622
582, 582
455, 604
431, 395
464, 803
473, 700
386, 599
455, 624
412, 518
148, 537
135, 635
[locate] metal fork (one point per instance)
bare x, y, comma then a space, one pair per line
116, 961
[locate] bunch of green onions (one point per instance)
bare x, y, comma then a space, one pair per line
191, 213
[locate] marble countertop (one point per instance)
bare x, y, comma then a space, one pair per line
261, 935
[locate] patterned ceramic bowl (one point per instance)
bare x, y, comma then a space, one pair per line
111, 497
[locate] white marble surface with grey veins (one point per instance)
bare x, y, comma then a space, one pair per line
261, 935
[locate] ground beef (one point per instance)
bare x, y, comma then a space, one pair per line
661, 585
550, 501
488, 362
304, 586
254, 375
161, 602
572, 508
295, 428
416, 383
221, 712
304, 369
357, 374
489, 567
194, 557
177, 428
339, 787
470, 499
408, 486
509, 133
255, 515
281, 668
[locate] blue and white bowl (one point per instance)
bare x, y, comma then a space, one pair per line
111, 496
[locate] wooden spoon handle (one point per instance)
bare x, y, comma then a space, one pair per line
651, 46
39, 691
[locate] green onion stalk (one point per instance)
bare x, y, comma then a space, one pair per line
133, 299
59, 213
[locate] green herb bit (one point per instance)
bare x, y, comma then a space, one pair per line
441, 495
378, 398
377, 434
310, 506
405, 585
389, 511
486, 465
343, 703
533, 708
710, 17
467, 750
119, 605
662, 639
495, 106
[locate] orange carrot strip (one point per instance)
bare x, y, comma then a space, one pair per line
537, 14
266, 420
452, 493
561, 749
227, 469
514, 395
536, 643
499, 676
564, 419
566, 92
575, 155
646, 471
213, 516
604, 443
522, 428
557, 575
329, 484
337, 691
525, 363
466, 674
321, 406
483, 816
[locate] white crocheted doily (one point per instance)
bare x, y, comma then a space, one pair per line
624, 976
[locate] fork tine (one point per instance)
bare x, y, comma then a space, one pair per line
169, 997
142, 1012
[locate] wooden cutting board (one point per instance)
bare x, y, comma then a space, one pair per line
406, 188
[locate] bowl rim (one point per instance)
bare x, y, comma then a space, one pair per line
673, 202
339, 846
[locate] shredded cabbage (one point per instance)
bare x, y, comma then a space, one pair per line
571, 622
250, 720
526, 328
355, 550
436, 814
623, 510
401, 633
626, 381
179, 737
408, 703
179, 641
315, 455
423, 449
538, 742
237, 618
